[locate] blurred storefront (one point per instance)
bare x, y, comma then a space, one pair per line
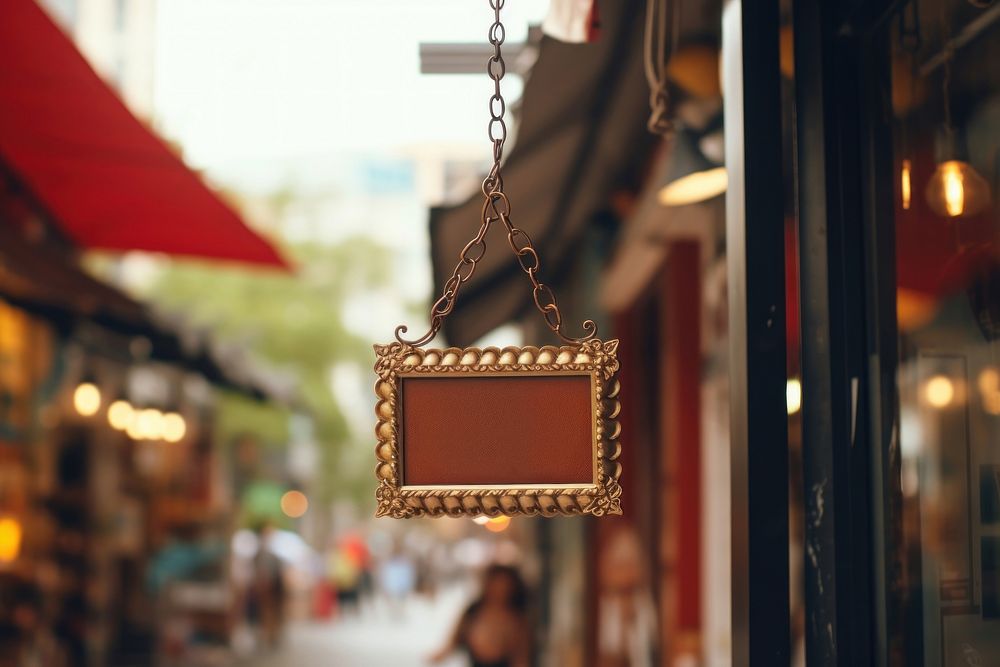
116, 507
809, 361
114, 490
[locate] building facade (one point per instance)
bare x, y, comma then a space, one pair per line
810, 418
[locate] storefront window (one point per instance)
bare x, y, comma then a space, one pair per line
946, 108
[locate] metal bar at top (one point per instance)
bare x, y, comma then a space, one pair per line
971, 30
469, 57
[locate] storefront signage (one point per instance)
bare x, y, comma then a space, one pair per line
497, 431
493, 431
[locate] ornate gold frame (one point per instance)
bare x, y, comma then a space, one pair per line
597, 358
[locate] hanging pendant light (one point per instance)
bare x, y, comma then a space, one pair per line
906, 95
956, 189
692, 178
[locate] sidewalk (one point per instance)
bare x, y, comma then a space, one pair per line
377, 639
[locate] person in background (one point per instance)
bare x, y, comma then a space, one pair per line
344, 570
398, 578
269, 589
494, 630
627, 618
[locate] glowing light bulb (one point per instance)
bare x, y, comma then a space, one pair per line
793, 395
906, 184
693, 188
954, 191
174, 427
939, 391
481, 520
957, 190
11, 534
87, 399
120, 415
294, 504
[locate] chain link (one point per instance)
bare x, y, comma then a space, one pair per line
660, 37
497, 207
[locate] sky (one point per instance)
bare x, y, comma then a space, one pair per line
256, 90
309, 94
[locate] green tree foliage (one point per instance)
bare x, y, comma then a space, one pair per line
290, 321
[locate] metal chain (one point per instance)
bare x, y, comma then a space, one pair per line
497, 207
657, 53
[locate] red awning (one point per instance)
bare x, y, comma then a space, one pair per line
106, 179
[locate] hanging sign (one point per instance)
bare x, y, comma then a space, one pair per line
497, 431
530, 430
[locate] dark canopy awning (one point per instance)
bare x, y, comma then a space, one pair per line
583, 118
103, 177
43, 278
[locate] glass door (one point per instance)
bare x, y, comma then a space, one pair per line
945, 99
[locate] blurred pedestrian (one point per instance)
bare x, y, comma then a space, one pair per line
268, 592
398, 578
344, 570
494, 630
627, 622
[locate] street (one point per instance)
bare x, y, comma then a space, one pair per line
377, 638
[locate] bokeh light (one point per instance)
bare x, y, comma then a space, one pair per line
146, 425
939, 391
87, 399
498, 524
793, 395
989, 389
120, 415
989, 380
10, 539
294, 504
174, 427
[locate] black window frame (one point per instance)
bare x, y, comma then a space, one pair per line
854, 598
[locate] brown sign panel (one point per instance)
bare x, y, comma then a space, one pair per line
493, 430
497, 431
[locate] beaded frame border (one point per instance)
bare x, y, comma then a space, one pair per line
595, 357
